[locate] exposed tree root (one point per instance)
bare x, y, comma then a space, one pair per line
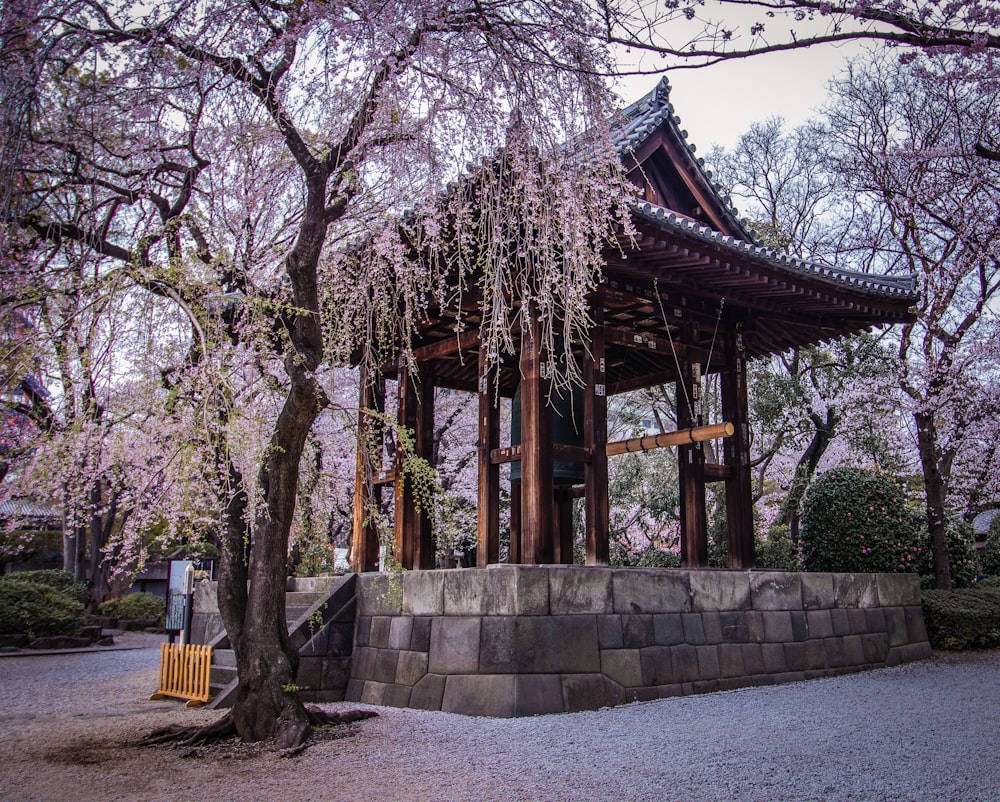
290, 740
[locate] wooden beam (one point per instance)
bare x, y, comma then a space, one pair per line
717, 473
739, 491
446, 347
693, 434
691, 468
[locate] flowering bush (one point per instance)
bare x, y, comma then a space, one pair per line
856, 520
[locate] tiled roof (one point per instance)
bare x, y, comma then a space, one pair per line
898, 287
647, 115
26, 508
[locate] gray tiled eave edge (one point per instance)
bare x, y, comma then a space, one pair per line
901, 287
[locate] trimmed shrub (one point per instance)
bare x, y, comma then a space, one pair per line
962, 619
37, 610
60, 581
991, 549
776, 551
856, 520
144, 606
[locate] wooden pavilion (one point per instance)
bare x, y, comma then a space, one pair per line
691, 295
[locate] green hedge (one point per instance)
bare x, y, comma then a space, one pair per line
144, 606
968, 618
37, 610
60, 581
856, 521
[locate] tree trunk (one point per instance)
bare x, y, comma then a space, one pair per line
823, 434
935, 493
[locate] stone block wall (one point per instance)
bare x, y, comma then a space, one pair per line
525, 640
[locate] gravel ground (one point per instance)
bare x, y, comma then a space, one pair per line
925, 731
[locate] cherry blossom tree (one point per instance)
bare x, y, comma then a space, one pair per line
905, 145
222, 157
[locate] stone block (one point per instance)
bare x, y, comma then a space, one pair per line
731, 660
796, 658
454, 645
479, 695
895, 625
835, 655
379, 637
800, 625
339, 642
712, 624
708, 662
817, 591
580, 589
819, 623
396, 695
590, 692
789, 676
336, 672
684, 662
854, 650
400, 630
718, 591
557, 644
420, 634
656, 666
386, 661
362, 630
498, 645
857, 620
774, 657
473, 592
774, 590
364, 662
778, 626
625, 667
609, 632
423, 592
668, 629
855, 590
755, 626
706, 686
735, 628
529, 587
669, 691
694, 629
652, 590
355, 688
642, 694
898, 590
875, 619
373, 693
916, 628
411, 667
537, 694
875, 646
318, 644
637, 631
839, 621
816, 654
753, 659
310, 673
735, 683
379, 594
428, 693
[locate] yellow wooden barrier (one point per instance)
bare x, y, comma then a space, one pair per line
184, 672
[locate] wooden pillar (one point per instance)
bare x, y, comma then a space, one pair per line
536, 446
691, 468
595, 438
562, 526
514, 549
739, 495
488, 517
414, 543
367, 495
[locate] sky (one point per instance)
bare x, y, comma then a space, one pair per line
718, 103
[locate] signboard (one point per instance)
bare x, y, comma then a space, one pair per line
176, 599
